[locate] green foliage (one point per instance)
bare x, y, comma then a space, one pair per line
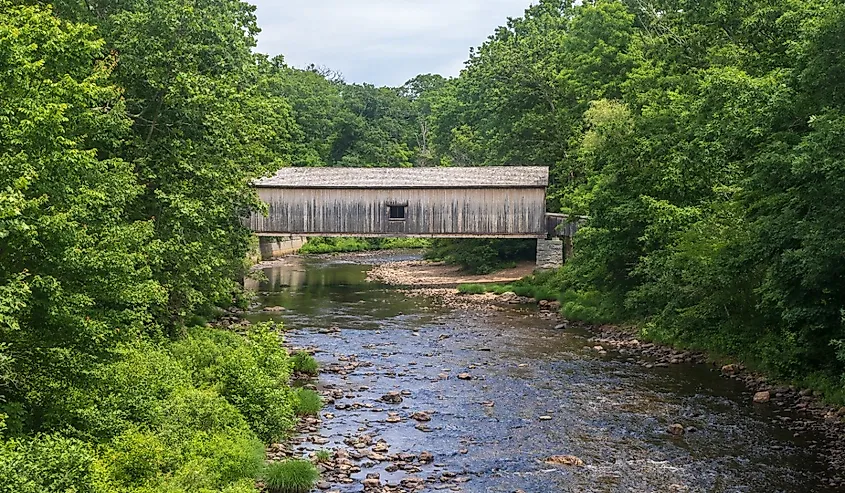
201, 129
302, 362
320, 244
482, 256
589, 306
73, 274
251, 371
473, 288
290, 476
46, 463
323, 455
345, 124
307, 402
704, 142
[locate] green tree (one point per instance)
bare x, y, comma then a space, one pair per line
201, 131
74, 272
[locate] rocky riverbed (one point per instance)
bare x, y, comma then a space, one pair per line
439, 391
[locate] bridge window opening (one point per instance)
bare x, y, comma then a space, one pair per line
397, 212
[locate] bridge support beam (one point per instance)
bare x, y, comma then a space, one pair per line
549, 253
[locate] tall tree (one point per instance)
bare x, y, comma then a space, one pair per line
201, 132
75, 276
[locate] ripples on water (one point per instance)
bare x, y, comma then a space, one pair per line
610, 413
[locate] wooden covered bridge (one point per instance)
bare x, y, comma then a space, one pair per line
466, 202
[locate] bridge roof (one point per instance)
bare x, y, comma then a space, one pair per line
442, 177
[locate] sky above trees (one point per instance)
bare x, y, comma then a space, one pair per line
384, 42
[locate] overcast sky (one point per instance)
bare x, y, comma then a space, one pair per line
384, 42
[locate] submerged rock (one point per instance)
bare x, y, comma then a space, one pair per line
676, 429
421, 416
393, 397
565, 460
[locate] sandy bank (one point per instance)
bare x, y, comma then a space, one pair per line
437, 274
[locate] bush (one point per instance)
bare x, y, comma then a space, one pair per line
291, 476
482, 256
302, 362
129, 391
201, 442
307, 402
250, 371
44, 463
588, 306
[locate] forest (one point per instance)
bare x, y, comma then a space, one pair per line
704, 140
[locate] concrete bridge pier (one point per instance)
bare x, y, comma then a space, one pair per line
270, 247
549, 253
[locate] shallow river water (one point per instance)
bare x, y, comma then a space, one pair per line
610, 413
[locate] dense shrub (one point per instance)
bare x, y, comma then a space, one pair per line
43, 463
251, 371
482, 256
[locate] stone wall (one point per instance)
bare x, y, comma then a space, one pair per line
276, 246
549, 253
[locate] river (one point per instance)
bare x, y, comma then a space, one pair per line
486, 433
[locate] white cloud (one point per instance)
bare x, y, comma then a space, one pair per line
384, 42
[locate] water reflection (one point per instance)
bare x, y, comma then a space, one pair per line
323, 292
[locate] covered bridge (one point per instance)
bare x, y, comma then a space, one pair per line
478, 202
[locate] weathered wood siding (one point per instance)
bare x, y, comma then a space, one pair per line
431, 212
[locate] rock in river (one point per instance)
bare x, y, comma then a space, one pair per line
393, 397
421, 416
676, 429
565, 460
762, 397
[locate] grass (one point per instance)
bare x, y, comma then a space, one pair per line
323, 455
521, 288
474, 288
319, 245
303, 362
307, 402
290, 476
